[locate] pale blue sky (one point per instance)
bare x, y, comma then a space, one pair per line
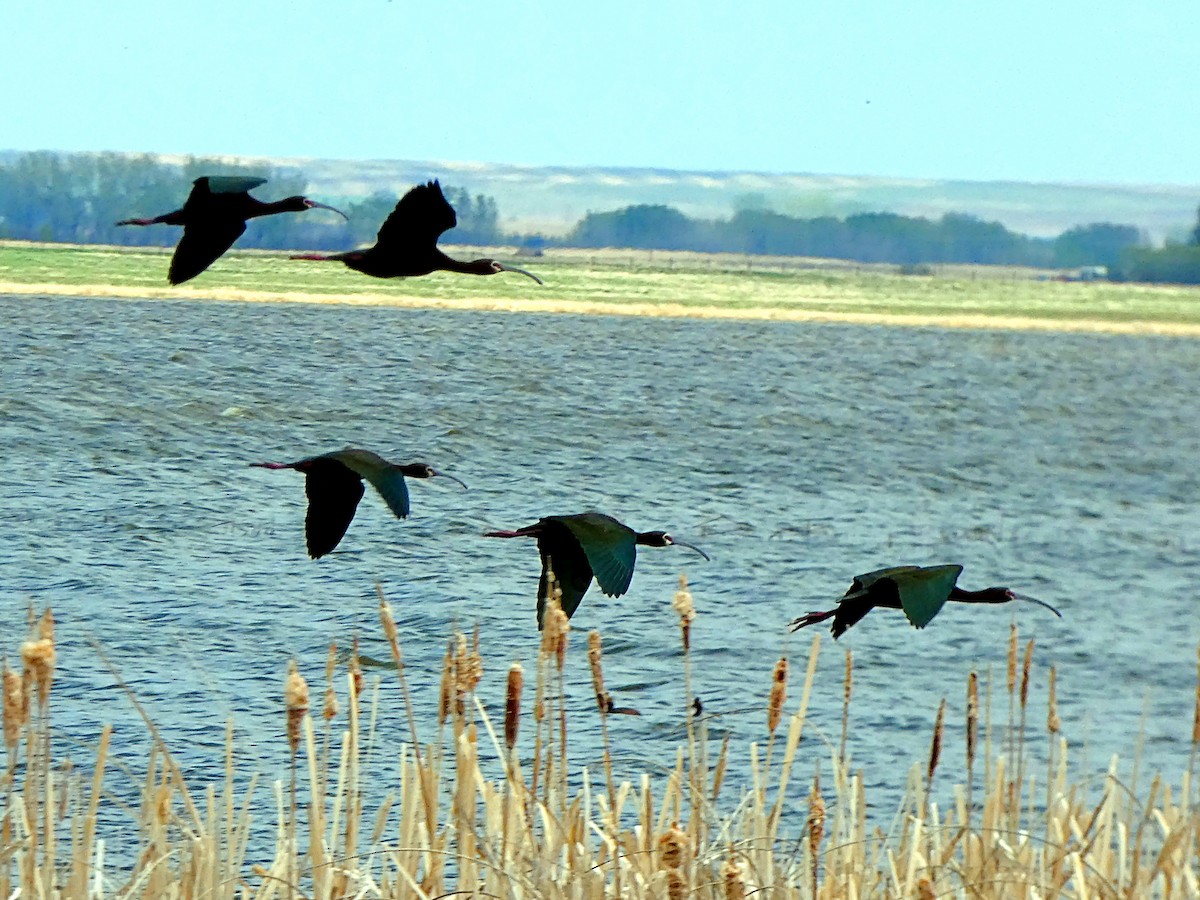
1053, 90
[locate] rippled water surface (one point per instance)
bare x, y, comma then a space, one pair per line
1064, 465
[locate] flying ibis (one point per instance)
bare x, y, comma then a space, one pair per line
406, 245
920, 591
584, 545
334, 485
214, 216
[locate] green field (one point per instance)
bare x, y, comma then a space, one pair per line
634, 282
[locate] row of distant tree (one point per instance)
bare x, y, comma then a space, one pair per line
77, 198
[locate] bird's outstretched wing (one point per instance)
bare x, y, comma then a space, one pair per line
201, 246
610, 547
561, 553
392, 488
924, 592
384, 477
863, 583
333, 494
229, 184
421, 216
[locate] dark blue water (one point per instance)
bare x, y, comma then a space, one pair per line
797, 455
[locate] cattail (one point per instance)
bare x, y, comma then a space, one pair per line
512, 704
816, 819
331, 705
672, 847
16, 709
473, 673
925, 890
355, 669
1012, 658
1025, 667
295, 698
554, 631
1052, 721
39, 657
935, 748
778, 694
594, 657
972, 716
446, 690
686, 609
1196, 715
735, 881
676, 885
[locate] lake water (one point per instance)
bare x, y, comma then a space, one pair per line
796, 455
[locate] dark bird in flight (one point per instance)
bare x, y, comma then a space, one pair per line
407, 242
921, 591
584, 545
334, 485
215, 216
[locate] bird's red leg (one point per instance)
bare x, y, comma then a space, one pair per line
811, 618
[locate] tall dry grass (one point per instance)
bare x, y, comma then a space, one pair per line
471, 816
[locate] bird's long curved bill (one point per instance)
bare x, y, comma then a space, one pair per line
316, 205
505, 268
1029, 599
690, 547
451, 477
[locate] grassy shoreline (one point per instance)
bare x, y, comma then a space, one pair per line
634, 283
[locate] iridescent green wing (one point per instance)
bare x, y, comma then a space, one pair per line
384, 477
862, 583
610, 548
924, 591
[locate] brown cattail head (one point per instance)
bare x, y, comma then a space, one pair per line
462, 663
734, 879
925, 890
972, 716
676, 884
1025, 667
1052, 721
1012, 658
672, 848
39, 657
16, 708
473, 669
778, 695
555, 627
353, 665
816, 818
331, 705
295, 698
595, 655
512, 704
686, 610
446, 690
935, 748
1196, 715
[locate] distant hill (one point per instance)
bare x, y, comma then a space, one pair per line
551, 199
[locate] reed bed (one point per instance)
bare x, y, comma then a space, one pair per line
498, 809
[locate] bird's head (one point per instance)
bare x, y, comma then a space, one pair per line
492, 267
662, 539
423, 470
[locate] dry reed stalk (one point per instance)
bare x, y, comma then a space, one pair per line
295, 701
972, 739
393, 637
1012, 687
935, 755
684, 606
446, 686
1023, 695
604, 704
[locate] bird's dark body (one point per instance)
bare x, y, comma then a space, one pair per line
920, 591
583, 546
333, 483
214, 216
406, 245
